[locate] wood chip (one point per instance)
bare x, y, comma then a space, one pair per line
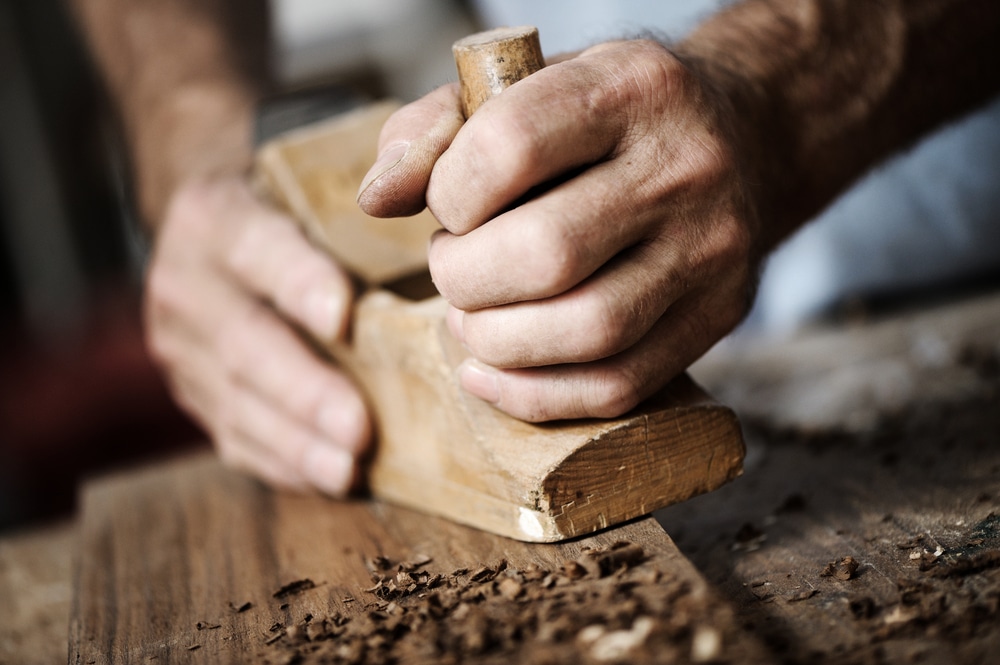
798, 596
574, 570
499, 614
510, 588
843, 569
379, 563
293, 588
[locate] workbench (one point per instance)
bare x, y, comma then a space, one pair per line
866, 528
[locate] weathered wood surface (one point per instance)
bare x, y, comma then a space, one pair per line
814, 500
440, 450
169, 556
35, 594
853, 377
909, 495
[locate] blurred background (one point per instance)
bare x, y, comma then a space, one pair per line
78, 392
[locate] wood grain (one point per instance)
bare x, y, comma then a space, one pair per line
167, 547
314, 172
443, 451
35, 572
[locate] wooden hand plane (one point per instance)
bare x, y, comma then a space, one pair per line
439, 449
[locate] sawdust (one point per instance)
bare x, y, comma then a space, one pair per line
606, 606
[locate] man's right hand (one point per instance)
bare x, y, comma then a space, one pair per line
227, 275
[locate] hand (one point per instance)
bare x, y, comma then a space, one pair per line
632, 255
227, 276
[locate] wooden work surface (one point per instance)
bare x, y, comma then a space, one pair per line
899, 460
191, 563
35, 594
878, 440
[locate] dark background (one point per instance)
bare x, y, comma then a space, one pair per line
78, 393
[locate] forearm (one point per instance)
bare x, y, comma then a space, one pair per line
825, 89
185, 76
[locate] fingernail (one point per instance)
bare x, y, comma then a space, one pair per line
385, 162
345, 422
329, 469
456, 319
479, 380
324, 313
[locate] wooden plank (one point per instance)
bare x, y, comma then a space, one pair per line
36, 591
181, 563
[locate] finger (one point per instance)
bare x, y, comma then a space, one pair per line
200, 388
606, 388
558, 119
551, 243
272, 258
410, 143
601, 317
297, 450
223, 331
253, 434
262, 353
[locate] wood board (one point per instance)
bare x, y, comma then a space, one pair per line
180, 563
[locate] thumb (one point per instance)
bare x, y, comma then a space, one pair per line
410, 143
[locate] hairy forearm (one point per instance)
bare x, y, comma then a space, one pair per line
185, 76
825, 89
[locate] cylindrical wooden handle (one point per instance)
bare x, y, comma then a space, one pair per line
488, 62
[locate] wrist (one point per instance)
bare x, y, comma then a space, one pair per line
196, 132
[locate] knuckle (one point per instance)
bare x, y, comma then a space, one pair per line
616, 392
599, 329
307, 269
164, 291
252, 242
226, 425
654, 76
553, 262
227, 447
515, 140
185, 397
620, 314
235, 341
308, 397
729, 242
189, 211
444, 261
160, 347
701, 324
160, 306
